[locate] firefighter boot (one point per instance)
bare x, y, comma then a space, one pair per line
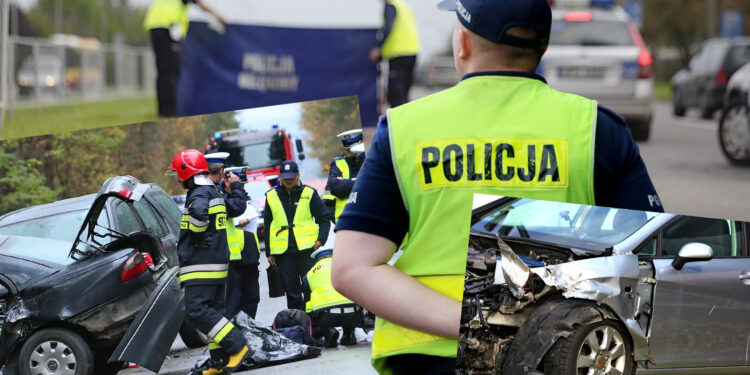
236, 359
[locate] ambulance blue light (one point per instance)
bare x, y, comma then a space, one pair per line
217, 135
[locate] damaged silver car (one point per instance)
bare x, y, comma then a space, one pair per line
559, 288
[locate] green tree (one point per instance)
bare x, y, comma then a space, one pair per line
21, 182
89, 18
323, 120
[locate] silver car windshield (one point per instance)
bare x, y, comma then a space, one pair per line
565, 224
591, 33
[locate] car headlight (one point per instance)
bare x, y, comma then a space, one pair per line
49, 80
23, 81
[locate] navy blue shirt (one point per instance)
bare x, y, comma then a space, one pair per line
620, 178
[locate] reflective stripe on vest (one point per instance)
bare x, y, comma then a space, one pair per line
341, 202
322, 294
303, 226
511, 149
203, 271
236, 241
403, 40
166, 13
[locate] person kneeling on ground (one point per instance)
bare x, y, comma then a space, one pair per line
326, 307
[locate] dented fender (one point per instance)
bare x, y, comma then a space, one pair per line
611, 281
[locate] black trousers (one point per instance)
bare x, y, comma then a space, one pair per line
347, 321
420, 364
243, 291
293, 265
400, 77
167, 53
206, 308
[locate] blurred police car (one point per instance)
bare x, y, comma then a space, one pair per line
596, 51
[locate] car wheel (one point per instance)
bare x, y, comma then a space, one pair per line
734, 134
640, 129
677, 107
191, 336
706, 111
55, 351
600, 348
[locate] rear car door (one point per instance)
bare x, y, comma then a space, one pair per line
700, 313
150, 336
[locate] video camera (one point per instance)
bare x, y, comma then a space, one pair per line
241, 172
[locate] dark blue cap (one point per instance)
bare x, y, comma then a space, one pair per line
490, 19
288, 169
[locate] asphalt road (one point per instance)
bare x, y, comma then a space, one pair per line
690, 172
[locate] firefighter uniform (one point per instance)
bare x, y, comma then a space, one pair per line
203, 254
343, 172
327, 307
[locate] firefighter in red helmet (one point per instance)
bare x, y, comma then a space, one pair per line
204, 259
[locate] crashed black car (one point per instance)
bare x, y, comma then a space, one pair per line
154, 212
560, 288
70, 308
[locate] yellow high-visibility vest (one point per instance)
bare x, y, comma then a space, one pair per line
485, 135
303, 224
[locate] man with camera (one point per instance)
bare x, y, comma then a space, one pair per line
243, 291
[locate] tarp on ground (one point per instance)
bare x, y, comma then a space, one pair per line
267, 347
282, 51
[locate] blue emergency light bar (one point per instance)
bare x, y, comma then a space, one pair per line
217, 135
584, 3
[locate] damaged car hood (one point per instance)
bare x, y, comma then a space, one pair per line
23, 266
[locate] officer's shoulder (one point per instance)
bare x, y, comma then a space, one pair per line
607, 115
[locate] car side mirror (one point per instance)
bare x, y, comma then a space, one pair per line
692, 252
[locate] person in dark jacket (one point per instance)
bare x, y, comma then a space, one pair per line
297, 223
203, 254
343, 172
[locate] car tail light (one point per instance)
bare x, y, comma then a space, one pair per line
262, 232
125, 193
135, 266
645, 60
578, 16
721, 76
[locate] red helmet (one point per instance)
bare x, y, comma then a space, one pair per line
188, 163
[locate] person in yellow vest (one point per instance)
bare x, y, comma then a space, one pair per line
296, 223
167, 23
343, 171
326, 307
500, 131
398, 42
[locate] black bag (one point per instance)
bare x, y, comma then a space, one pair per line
275, 287
292, 323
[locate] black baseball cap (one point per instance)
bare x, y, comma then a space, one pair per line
490, 19
288, 169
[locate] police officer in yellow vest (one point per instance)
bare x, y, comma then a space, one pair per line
204, 254
326, 307
167, 22
296, 223
398, 42
500, 131
242, 289
343, 171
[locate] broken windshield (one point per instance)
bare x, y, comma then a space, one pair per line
565, 224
